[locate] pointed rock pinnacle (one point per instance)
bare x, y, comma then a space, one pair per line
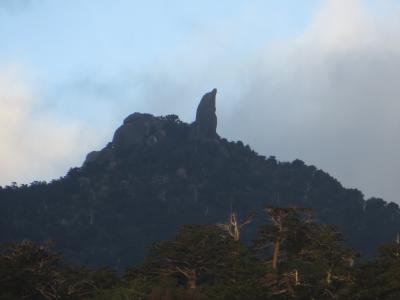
206, 118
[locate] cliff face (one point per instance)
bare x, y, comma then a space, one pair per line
145, 130
158, 173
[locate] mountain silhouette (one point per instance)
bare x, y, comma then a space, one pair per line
159, 173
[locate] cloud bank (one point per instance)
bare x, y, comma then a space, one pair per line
329, 96
34, 144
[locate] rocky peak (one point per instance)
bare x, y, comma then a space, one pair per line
206, 118
138, 129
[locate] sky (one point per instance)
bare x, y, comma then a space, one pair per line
316, 80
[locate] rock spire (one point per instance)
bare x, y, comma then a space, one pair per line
206, 118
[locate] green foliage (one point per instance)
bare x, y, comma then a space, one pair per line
206, 262
198, 253
379, 279
308, 260
134, 292
34, 272
109, 211
30, 271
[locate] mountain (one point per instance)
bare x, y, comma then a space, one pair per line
159, 173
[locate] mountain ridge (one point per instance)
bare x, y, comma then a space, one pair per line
159, 173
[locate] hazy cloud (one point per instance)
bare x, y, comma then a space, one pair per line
329, 96
34, 144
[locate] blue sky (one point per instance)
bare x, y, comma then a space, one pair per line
72, 49
105, 35
315, 80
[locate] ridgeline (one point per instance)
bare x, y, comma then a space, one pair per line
159, 173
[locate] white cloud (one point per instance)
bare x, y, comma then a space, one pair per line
340, 25
329, 95
33, 144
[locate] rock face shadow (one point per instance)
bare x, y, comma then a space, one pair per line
206, 118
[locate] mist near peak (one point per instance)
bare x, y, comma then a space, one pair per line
326, 94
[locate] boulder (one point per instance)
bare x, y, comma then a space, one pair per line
138, 129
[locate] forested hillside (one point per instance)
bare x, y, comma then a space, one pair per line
159, 173
291, 257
